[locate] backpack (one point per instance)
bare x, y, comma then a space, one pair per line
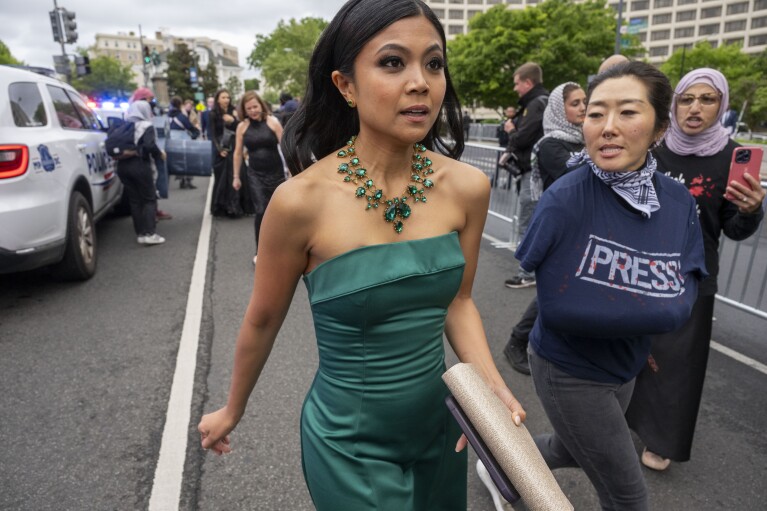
119, 143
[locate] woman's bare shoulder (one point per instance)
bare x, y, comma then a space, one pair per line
461, 178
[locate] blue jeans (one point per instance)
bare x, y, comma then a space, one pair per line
590, 431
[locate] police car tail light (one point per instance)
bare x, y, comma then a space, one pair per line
14, 160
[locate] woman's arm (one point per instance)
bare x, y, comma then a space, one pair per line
282, 258
464, 329
237, 164
275, 126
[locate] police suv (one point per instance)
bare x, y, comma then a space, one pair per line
55, 177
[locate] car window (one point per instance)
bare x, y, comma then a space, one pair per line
65, 110
27, 105
91, 122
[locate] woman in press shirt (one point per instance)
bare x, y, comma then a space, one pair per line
696, 151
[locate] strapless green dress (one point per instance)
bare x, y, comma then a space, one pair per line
375, 431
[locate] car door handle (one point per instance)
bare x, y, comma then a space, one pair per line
82, 147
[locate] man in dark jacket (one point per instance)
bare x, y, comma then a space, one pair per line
524, 130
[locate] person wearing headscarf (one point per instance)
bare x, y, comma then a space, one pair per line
562, 138
136, 174
696, 151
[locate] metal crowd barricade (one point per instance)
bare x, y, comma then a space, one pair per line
742, 264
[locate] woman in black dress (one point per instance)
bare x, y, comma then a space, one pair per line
260, 134
226, 201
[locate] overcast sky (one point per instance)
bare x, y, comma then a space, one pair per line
25, 26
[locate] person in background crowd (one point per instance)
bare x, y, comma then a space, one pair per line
191, 112
181, 127
524, 131
288, 107
205, 116
136, 174
500, 132
592, 335
259, 133
612, 61
226, 200
466, 124
730, 121
696, 151
375, 431
159, 170
563, 137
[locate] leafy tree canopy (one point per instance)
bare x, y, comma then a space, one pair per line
283, 56
252, 84
746, 74
234, 86
6, 57
180, 61
566, 39
209, 79
108, 79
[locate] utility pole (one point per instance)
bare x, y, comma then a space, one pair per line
62, 37
618, 28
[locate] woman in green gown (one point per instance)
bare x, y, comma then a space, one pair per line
384, 228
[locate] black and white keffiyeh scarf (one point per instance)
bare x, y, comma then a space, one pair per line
636, 187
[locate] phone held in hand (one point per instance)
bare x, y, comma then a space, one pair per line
491, 464
745, 160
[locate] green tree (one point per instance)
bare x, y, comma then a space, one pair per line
566, 39
6, 57
746, 74
252, 84
283, 56
209, 79
180, 61
108, 78
234, 86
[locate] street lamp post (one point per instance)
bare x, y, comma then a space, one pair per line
618, 28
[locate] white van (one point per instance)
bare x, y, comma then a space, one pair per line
55, 177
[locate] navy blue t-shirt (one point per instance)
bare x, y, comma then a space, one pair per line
607, 277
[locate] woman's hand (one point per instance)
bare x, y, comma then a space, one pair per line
748, 199
236, 184
518, 414
214, 431
224, 153
228, 118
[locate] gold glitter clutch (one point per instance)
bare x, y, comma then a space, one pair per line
512, 446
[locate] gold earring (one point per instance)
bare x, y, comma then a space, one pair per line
351, 103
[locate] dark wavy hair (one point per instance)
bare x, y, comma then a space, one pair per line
659, 91
324, 122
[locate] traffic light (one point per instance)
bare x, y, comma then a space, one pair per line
147, 55
155, 58
83, 64
56, 25
69, 26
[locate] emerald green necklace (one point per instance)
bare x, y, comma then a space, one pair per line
396, 210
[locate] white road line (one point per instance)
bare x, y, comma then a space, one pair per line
166, 489
724, 350
750, 362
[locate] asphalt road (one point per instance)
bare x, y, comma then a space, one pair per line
86, 371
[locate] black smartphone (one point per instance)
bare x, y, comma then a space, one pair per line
491, 464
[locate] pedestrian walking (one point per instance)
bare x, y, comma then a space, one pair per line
388, 260
618, 254
136, 174
562, 139
696, 151
260, 134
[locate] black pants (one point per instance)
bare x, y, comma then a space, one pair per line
520, 334
136, 176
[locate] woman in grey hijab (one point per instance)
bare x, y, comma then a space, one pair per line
136, 174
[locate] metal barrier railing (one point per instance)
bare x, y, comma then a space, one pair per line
742, 264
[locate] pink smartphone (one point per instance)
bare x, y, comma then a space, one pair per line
745, 160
